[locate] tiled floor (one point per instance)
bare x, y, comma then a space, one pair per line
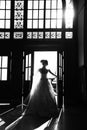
72, 118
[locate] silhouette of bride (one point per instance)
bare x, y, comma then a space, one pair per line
42, 100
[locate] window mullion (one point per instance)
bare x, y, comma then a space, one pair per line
44, 18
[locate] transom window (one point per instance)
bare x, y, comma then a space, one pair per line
44, 19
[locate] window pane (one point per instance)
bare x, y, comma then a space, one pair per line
68, 23
41, 23
41, 4
0, 74
29, 4
59, 14
41, 14
4, 61
48, 3
54, 4
59, 5
2, 14
26, 61
53, 23
47, 24
8, 14
29, 78
35, 23
29, 14
26, 74
0, 61
29, 23
7, 23
53, 14
47, 13
29, 59
35, 4
35, 14
2, 4
1, 23
4, 74
8, 4
68, 35
59, 23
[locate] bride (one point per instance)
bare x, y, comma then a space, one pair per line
42, 100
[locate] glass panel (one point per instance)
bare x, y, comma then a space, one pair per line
41, 23
4, 61
35, 23
2, 4
35, 14
59, 14
7, 23
41, 4
4, 74
18, 35
40, 35
29, 14
47, 35
0, 61
59, 5
26, 61
29, 23
1, 35
0, 74
54, 4
68, 23
29, 59
35, 3
53, 14
53, 35
53, 23
69, 14
48, 4
19, 4
8, 4
26, 74
29, 78
59, 23
19, 14
29, 35
18, 24
7, 35
2, 24
29, 4
8, 14
68, 35
47, 13
59, 35
41, 14
2, 14
47, 24
35, 34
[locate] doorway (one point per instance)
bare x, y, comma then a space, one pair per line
55, 64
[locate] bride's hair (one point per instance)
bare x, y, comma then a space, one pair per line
44, 62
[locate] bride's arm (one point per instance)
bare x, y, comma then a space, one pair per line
52, 73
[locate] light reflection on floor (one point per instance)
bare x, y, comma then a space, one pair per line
43, 126
1, 122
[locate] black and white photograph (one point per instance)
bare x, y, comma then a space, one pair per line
43, 65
